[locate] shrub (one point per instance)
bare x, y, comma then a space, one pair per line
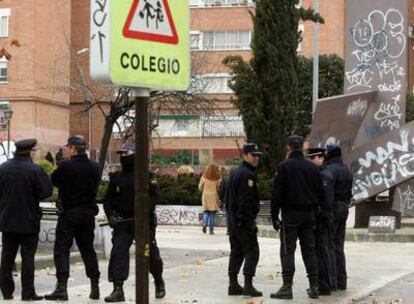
46, 166
179, 190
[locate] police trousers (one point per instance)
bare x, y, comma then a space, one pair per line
78, 225
28, 245
339, 274
244, 246
298, 225
123, 236
324, 246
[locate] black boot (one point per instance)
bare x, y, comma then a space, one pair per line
248, 289
234, 287
59, 294
32, 297
94, 295
159, 289
313, 290
284, 292
117, 294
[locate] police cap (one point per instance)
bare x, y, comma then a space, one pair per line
26, 144
315, 152
333, 150
76, 140
251, 148
295, 142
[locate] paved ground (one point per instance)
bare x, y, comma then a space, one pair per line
196, 272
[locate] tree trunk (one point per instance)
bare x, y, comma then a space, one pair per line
106, 139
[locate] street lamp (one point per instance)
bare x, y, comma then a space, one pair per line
8, 115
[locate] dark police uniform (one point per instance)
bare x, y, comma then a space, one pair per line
119, 205
243, 210
340, 193
324, 227
22, 185
298, 193
77, 180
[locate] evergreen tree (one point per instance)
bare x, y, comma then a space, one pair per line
267, 87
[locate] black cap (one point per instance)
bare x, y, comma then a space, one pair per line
251, 148
333, 150
126, 148
315, 152
76, 140
295, 142
26, 144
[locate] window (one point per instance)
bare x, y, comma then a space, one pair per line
211, 84
3, 70
221, 126
227, 40
195, 40
4, 22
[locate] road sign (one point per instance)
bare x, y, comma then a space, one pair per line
141, 43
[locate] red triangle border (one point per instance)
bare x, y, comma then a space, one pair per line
148, 36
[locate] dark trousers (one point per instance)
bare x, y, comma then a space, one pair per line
243, 247
302, 225
78, 225
339, 276
28, 246
324, 246
122, 239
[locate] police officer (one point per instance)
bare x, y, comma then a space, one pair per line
298, 193
22, 185
324, 226
244, 207
77, 180
119, 208
340, 191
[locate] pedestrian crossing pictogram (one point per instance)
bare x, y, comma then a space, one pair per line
151, 20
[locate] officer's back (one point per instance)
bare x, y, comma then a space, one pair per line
77, 179
22, 185
301, 182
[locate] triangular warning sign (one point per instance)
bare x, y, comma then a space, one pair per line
151, 20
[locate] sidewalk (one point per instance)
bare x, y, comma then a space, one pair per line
370, 266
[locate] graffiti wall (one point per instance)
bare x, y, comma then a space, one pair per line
178, 215
376, 59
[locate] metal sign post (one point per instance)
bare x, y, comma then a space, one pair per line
141, 196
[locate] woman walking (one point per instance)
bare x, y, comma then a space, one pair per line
209, 186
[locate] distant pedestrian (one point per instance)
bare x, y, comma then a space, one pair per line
244, 208
77, 180
49, 157
22, 185
341, 189
59, 156
298, 194
209, 186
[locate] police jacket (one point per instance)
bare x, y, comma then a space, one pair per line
77, 180
244, 195
22, 185
297, 185
340, 190
119, 198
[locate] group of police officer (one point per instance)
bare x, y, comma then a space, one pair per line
23, 184
310, 202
